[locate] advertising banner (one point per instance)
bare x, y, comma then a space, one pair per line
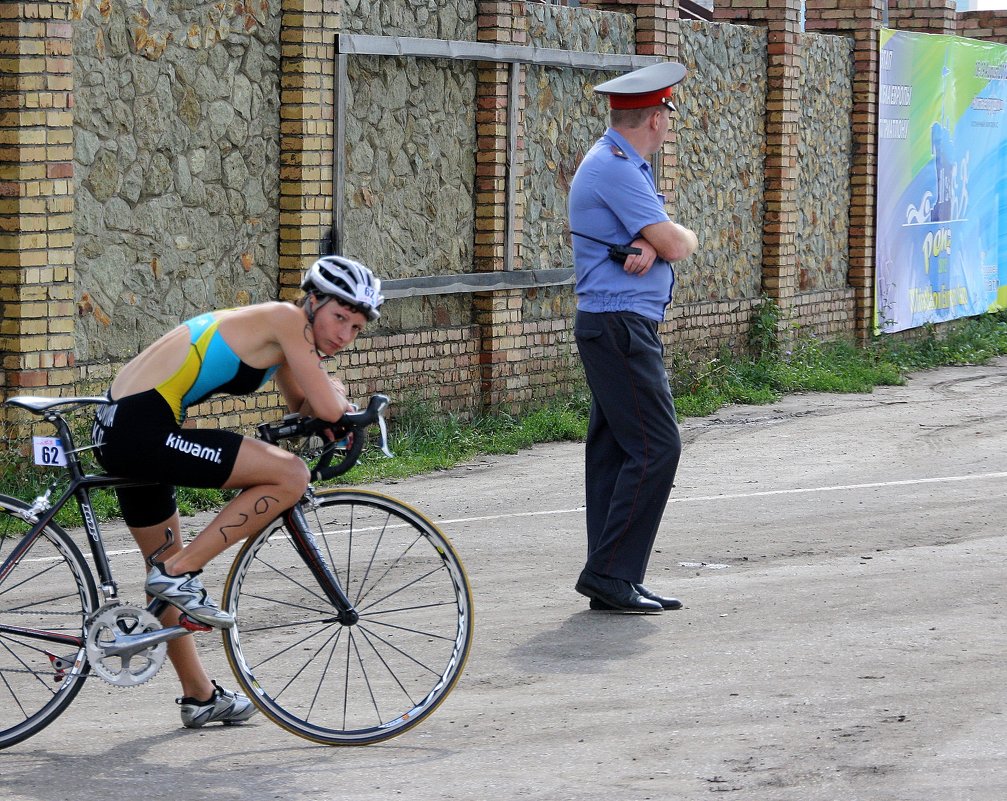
942, 180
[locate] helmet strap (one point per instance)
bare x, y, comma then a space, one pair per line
311, 306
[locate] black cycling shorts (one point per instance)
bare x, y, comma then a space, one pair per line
138, 437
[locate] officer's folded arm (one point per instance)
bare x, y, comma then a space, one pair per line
672, 241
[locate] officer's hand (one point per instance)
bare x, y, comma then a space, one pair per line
640, 263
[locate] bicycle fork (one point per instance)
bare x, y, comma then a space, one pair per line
307, 547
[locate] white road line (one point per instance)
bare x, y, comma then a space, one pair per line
762, 494
723, 497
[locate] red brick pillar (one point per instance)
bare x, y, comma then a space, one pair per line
988, 26
860, 20
782, 19
923, 16
657, 34
36, 198
498, 313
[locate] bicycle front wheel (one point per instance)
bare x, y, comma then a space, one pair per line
350, 684
46, 594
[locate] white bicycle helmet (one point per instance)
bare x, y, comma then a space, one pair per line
347, 280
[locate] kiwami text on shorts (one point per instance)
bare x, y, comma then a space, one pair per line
193, 448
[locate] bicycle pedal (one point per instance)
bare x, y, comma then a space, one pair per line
189, 624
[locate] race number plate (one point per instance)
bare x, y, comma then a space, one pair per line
49, 451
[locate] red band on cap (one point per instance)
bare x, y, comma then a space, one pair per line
645, 100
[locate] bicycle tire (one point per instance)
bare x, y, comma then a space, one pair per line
359, 684
45, 598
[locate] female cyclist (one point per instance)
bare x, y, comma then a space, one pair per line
140, 435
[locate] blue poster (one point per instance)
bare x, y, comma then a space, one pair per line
941, 194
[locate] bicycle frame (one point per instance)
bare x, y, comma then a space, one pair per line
42, 513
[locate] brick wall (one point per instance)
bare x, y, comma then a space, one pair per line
923, 16
307, 50
989, 26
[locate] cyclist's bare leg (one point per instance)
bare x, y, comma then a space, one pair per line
181, 651
272, 481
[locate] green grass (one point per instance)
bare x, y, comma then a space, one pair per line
424, 440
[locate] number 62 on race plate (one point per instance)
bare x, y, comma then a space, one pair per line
49, 451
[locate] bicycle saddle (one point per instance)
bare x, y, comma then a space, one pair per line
39, 405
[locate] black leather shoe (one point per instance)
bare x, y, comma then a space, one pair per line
666, 603
617, 595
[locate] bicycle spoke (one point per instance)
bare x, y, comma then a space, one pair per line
404, 653
287, 649
12, 587
301, 585
288, 604
391, 672
367, 683
333, 639
388, 571
405, 587
410, 630
27, 667
370, 562
14, 695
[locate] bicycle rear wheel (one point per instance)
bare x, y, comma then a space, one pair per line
350, 684
45, 596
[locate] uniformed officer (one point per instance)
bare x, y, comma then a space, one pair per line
623, 245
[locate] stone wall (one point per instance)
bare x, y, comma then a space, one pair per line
409, 200
721, 141
176, 120
410, 143
562, 119
824, 151
410, 139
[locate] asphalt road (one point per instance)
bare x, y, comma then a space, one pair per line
841, 559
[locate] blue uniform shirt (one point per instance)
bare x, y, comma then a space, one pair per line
613, 198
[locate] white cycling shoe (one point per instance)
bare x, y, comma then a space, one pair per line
224, 706
186, 592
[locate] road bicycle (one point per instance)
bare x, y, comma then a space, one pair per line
353, 610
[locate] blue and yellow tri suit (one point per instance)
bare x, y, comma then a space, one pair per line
210, 367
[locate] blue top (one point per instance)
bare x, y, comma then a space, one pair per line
613, 198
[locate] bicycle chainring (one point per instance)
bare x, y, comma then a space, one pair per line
113, 626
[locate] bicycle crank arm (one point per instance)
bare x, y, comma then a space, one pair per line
131, 644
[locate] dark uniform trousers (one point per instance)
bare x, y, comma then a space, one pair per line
633, 441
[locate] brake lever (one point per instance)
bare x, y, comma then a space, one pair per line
383, 429
376, 408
